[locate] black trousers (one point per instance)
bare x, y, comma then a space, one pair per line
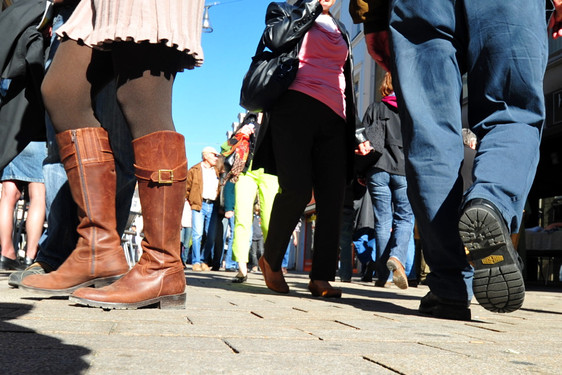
308, 140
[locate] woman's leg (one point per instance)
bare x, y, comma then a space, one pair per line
144, 79
10, 195
244, 198
75, 76
35, 217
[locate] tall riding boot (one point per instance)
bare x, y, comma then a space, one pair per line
158, 277
98, 258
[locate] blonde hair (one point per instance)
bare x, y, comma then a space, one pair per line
386, 86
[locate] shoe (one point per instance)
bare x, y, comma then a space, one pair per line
215, 268
398, 274
326, 292
230, 270
273, 279
205, 267
284, 270
254, 270
498, 282
239, 279
28, 262
7, 264
444, 308
368, 273
196, 267
34, 269
383, 284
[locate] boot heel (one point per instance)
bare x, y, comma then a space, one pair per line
175, 302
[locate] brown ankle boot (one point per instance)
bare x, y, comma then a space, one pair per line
158, 277
98, 258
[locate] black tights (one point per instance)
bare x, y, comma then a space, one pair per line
144, 74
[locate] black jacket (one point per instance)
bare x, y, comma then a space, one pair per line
22, 59
383, 130
285, 28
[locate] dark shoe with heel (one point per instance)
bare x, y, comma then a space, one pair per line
444, 308
273, 279
498, 282
7, 264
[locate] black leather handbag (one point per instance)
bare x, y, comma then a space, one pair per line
268, 77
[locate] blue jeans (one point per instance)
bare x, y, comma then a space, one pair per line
203, 222
394, 219
185, 238
229, 223
60, 238
503, 48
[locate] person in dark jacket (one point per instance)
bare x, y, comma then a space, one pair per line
386, 180
311, 129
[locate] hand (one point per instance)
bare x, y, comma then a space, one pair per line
364, 148
229, 214
247, 129
555, 24
378, 46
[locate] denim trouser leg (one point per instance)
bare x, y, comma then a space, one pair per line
402, 219
197, 228
185, 238
506, 56
229, 263
378, 183
210, 213
346, 237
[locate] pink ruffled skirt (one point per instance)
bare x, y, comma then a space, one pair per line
176, 23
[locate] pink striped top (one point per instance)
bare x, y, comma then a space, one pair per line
322, 58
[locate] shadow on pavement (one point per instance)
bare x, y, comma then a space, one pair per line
24, 351
350, 295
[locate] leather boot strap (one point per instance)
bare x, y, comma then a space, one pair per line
163, 176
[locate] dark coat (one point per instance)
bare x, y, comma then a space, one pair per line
22, 59
286, 26
384, 132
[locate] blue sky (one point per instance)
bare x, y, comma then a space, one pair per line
205, 100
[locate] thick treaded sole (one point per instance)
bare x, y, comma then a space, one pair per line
498, 283
171, 302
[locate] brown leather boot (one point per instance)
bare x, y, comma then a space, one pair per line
98, 258
158, 278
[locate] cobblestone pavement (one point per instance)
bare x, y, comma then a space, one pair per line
231, 328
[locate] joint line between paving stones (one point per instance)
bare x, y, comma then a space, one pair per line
382, 365
189, 320
443, 349
236, 351
347, 325
256, 314
486, 328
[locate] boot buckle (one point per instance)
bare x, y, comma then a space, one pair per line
165, 176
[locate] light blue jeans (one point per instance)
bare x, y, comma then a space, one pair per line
229, 264
394, 219
203, 222
502, 45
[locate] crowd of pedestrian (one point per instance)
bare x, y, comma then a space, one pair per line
106, 97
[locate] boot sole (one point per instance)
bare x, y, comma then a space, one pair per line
498, 283
172, 302
96, 283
